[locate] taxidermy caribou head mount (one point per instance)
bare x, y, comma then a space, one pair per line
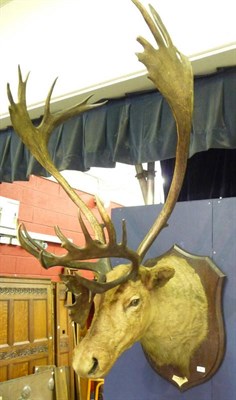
162, 304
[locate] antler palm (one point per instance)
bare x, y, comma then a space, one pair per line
169, 69
171, 73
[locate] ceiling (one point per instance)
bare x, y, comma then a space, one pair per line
37, 34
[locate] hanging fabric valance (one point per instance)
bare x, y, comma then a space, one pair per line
135, 129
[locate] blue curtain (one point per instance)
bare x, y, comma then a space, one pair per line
210, 175
135, 129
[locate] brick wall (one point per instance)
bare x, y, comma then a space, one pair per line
43, 204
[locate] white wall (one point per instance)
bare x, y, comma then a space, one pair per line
87, 42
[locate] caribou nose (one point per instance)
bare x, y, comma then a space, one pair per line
84, 364
94, 367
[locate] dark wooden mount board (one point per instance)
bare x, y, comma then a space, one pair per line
208, 357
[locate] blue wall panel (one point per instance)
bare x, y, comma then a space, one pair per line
189, 226
224, 255
203, 228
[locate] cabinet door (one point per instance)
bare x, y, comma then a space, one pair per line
64, 334
64, 328
26, 329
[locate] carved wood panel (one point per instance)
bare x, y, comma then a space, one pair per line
26, 326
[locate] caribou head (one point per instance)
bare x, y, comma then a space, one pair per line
162, 303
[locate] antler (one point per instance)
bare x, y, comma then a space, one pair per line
83, 299
36, 138
93, 249
171, 73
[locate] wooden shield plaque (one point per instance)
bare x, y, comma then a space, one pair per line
209, 355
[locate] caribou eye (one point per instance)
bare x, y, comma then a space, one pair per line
134, 302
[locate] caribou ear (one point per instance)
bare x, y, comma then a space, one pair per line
156, 276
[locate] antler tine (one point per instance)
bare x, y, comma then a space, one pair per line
36, 138
57, 118
171, 73
93, 249
107, 221
155, 25
22, 86
32, 246
38, 251
110, 227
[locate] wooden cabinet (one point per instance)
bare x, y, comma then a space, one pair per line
26, 326
36, 331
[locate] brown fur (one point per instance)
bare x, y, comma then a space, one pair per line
170, 320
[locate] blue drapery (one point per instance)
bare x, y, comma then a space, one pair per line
135, 129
